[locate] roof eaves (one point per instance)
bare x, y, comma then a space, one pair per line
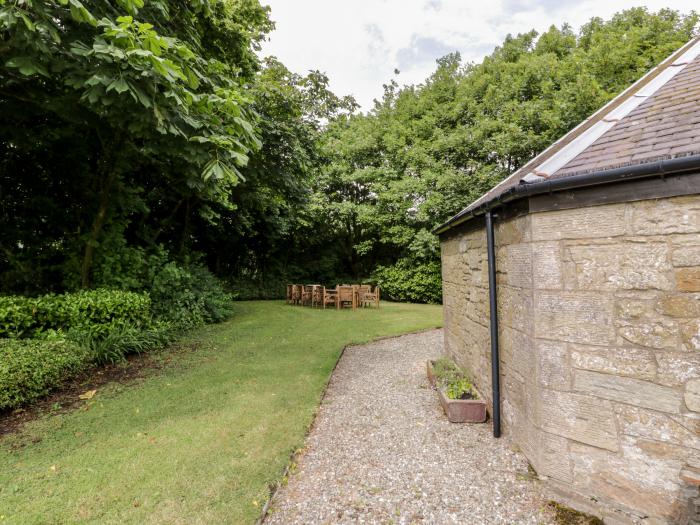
689, 163
559, 153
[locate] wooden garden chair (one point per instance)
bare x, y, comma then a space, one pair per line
289, 293
296, 293
371, 297
330, 296
346, 294
316, 295
362, 289
306, 294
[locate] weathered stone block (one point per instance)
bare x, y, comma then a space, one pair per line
640, 422
692, 395
662, 334
687, 255
679, 305
554, 367
476, 304
515, 308
555, 461
449, 247
579, 223
512, 231
581, 418
578, 317
529, 438
628, 390
655, 217
514, 264
512, 399
547, 265
532, 398
676, 368
638, 322
518, 349
688, 279
624, 361
621, 266
635, 478
690, 336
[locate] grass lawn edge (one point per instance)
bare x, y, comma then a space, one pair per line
298, 453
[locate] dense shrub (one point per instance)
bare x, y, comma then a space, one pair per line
30, 317
17, 316
30, 368
189, 297
217, 302
187, 294
91, 308
103, 325
410, 281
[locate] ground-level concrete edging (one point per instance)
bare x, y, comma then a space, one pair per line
599, 311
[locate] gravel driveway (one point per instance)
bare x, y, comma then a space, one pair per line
382, 451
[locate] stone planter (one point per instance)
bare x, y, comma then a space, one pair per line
458, 410
463, 410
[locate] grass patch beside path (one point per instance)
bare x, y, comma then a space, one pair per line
200, 441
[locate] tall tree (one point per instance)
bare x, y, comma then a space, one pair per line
136, 93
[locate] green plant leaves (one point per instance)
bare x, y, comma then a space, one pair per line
27, 66
80, 13
29, 369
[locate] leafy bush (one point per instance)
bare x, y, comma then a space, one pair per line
29, 368
189, 297
217, 302
92, 307
410, 281
30, 317
17, 315
112, 345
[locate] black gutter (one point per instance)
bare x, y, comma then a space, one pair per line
522, 190
493, 309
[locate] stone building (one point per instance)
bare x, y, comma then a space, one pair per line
596, 276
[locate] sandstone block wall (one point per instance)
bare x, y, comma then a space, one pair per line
599, 312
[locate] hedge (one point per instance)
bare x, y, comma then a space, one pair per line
31, 316
31, 368
410, 281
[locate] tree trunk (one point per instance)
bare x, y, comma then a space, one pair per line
96, 230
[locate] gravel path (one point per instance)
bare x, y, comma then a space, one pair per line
382, 451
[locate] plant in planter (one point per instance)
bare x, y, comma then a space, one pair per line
458, 397
460, 389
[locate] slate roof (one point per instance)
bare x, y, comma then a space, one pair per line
666, 125
658, 117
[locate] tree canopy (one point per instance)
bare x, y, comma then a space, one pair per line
135, 128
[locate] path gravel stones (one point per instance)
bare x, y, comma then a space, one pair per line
382, 451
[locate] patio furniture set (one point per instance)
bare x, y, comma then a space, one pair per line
342, 296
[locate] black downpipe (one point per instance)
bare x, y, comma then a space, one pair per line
495, 360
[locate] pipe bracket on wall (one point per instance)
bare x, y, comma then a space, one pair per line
493, 308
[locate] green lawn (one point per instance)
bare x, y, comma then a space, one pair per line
201, 441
